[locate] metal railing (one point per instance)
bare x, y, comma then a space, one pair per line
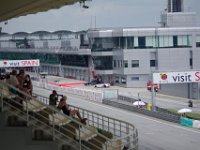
64, 128
121, 130
126, 103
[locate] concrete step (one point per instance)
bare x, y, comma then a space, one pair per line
58, 119
33, 105
15, 137
96, 143
115, 144
86, 133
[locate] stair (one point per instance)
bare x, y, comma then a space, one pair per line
19, 136
40, 123
41, 132
86, 133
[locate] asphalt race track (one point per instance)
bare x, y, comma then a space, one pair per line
154, 134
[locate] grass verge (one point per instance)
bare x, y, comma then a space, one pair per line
191, 115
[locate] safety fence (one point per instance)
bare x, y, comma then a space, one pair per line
156, 114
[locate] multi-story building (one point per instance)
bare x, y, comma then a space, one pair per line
61, 53
129, 56
124, 56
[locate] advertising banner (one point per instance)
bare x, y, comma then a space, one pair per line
176, 77
19, 63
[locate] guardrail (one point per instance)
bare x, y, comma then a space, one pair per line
96, 96
121, 131
128, 106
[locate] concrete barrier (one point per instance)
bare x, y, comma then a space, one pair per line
196, 124
186, 122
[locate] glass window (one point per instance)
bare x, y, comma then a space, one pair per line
182, 40
175, 41
198, 41
103, 44
122, 42
141, 42
152, 63
135, 78
103, 62
165, 41
116, 79
130, 42
191, 60
117, 61
198, 38
150, 41
123, 80
189, 38
114, 63
125, 63
135, 63
135, 41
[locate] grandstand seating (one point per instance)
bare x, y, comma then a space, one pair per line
47, 123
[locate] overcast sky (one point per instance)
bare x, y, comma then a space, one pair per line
108, 13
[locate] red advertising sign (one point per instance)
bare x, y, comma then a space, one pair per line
19, 63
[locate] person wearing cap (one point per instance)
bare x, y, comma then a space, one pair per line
66, 110
53, 98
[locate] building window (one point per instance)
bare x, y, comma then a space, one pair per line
123, 80
165, 41
103, 62
152, 63
135, 63
114, 63
198, 41
119, 63
141, 42
175, 41
150, 41
135, 78
184, 41
125, 63
198, 44
191, 60
130, 42
116, 79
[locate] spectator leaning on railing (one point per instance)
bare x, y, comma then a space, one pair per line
53, 98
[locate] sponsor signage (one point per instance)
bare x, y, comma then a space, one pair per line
20, 63
176, 77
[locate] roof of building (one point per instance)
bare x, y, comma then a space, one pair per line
15, 8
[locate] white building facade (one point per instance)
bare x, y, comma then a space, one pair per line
123, 56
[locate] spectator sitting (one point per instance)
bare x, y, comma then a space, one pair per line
53, 98
13, 81
28, 84
21, 78
66, 110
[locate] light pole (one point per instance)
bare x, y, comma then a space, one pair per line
153, 100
